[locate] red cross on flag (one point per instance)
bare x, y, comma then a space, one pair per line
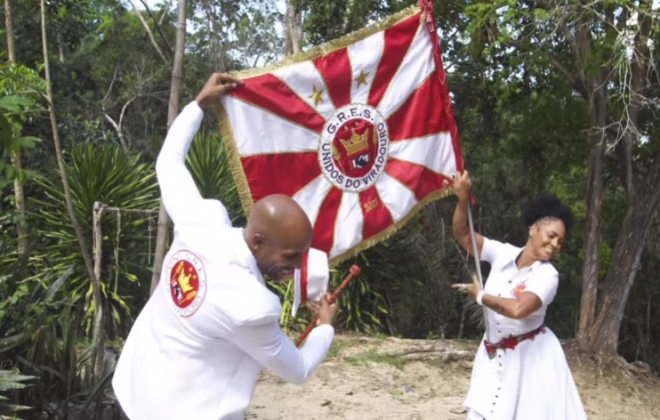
359, 132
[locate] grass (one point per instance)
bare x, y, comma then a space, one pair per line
372, 356
436, 362
339, 345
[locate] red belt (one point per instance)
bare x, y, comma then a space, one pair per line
511, 342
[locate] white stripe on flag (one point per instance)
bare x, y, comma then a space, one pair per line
396, 197
258, 131
365, 56
348, 227
435, 152
415, 68
303, 79
311, 197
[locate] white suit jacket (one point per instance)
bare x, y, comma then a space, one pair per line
198, 346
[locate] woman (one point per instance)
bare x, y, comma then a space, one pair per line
520, 371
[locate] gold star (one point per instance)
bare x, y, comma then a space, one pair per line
362, 78
317, 96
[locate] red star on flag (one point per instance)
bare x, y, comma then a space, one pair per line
360, 134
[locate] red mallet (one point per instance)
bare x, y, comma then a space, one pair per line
354, 272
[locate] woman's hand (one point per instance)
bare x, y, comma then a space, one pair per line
472, 290
463, 186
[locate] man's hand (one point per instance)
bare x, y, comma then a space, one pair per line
327, 312
217, 85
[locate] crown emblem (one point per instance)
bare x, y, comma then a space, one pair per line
357, 143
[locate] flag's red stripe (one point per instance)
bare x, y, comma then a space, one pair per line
336, 67
324, 228
285, 173
270, 93
376, 216
419, 179
397, 41
422, 114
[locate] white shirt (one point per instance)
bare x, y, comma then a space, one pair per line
508, 281
198, 346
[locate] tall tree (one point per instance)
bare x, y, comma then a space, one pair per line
19, 195
162, 239
293, 30
98, 306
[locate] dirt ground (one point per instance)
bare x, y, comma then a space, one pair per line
388, 379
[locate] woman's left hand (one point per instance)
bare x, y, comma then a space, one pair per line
471, 289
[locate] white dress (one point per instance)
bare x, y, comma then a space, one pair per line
532, 381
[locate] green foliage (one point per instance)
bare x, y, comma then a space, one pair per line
20, 95
115, 177
10, 380
209, 166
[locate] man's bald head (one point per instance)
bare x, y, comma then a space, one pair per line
278, 234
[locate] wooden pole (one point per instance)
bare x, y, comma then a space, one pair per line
99, 331
162, 238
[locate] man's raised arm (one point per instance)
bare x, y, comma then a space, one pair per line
178, 189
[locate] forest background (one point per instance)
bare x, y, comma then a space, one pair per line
556, 96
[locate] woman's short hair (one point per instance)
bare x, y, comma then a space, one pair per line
547, 206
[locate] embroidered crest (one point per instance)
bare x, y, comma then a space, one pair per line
520, 288
187, 282
354, 146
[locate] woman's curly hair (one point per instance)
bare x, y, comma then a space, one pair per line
547, 206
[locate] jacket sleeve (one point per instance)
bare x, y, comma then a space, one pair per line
179, 192
272, 349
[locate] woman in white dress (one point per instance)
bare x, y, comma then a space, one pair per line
520, 371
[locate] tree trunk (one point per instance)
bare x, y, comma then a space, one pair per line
21, 227
625, 263
293, 32
65, 182
9, 24
163, 219
598, 110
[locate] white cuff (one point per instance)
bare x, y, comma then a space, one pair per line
480, 297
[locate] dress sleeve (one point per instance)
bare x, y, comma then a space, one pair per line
544, 283
491, 250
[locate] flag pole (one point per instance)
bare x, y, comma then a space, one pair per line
475, 253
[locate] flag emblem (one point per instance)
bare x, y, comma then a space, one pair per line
353, 147
359, 132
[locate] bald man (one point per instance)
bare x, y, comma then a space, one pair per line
198, 346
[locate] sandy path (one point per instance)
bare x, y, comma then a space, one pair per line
356, 383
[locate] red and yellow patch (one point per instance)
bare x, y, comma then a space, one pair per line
519, 290
187, 282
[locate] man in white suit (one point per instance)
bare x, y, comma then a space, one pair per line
197, 348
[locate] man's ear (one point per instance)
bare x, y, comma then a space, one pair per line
257, 241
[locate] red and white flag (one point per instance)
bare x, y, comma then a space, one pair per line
359, 132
